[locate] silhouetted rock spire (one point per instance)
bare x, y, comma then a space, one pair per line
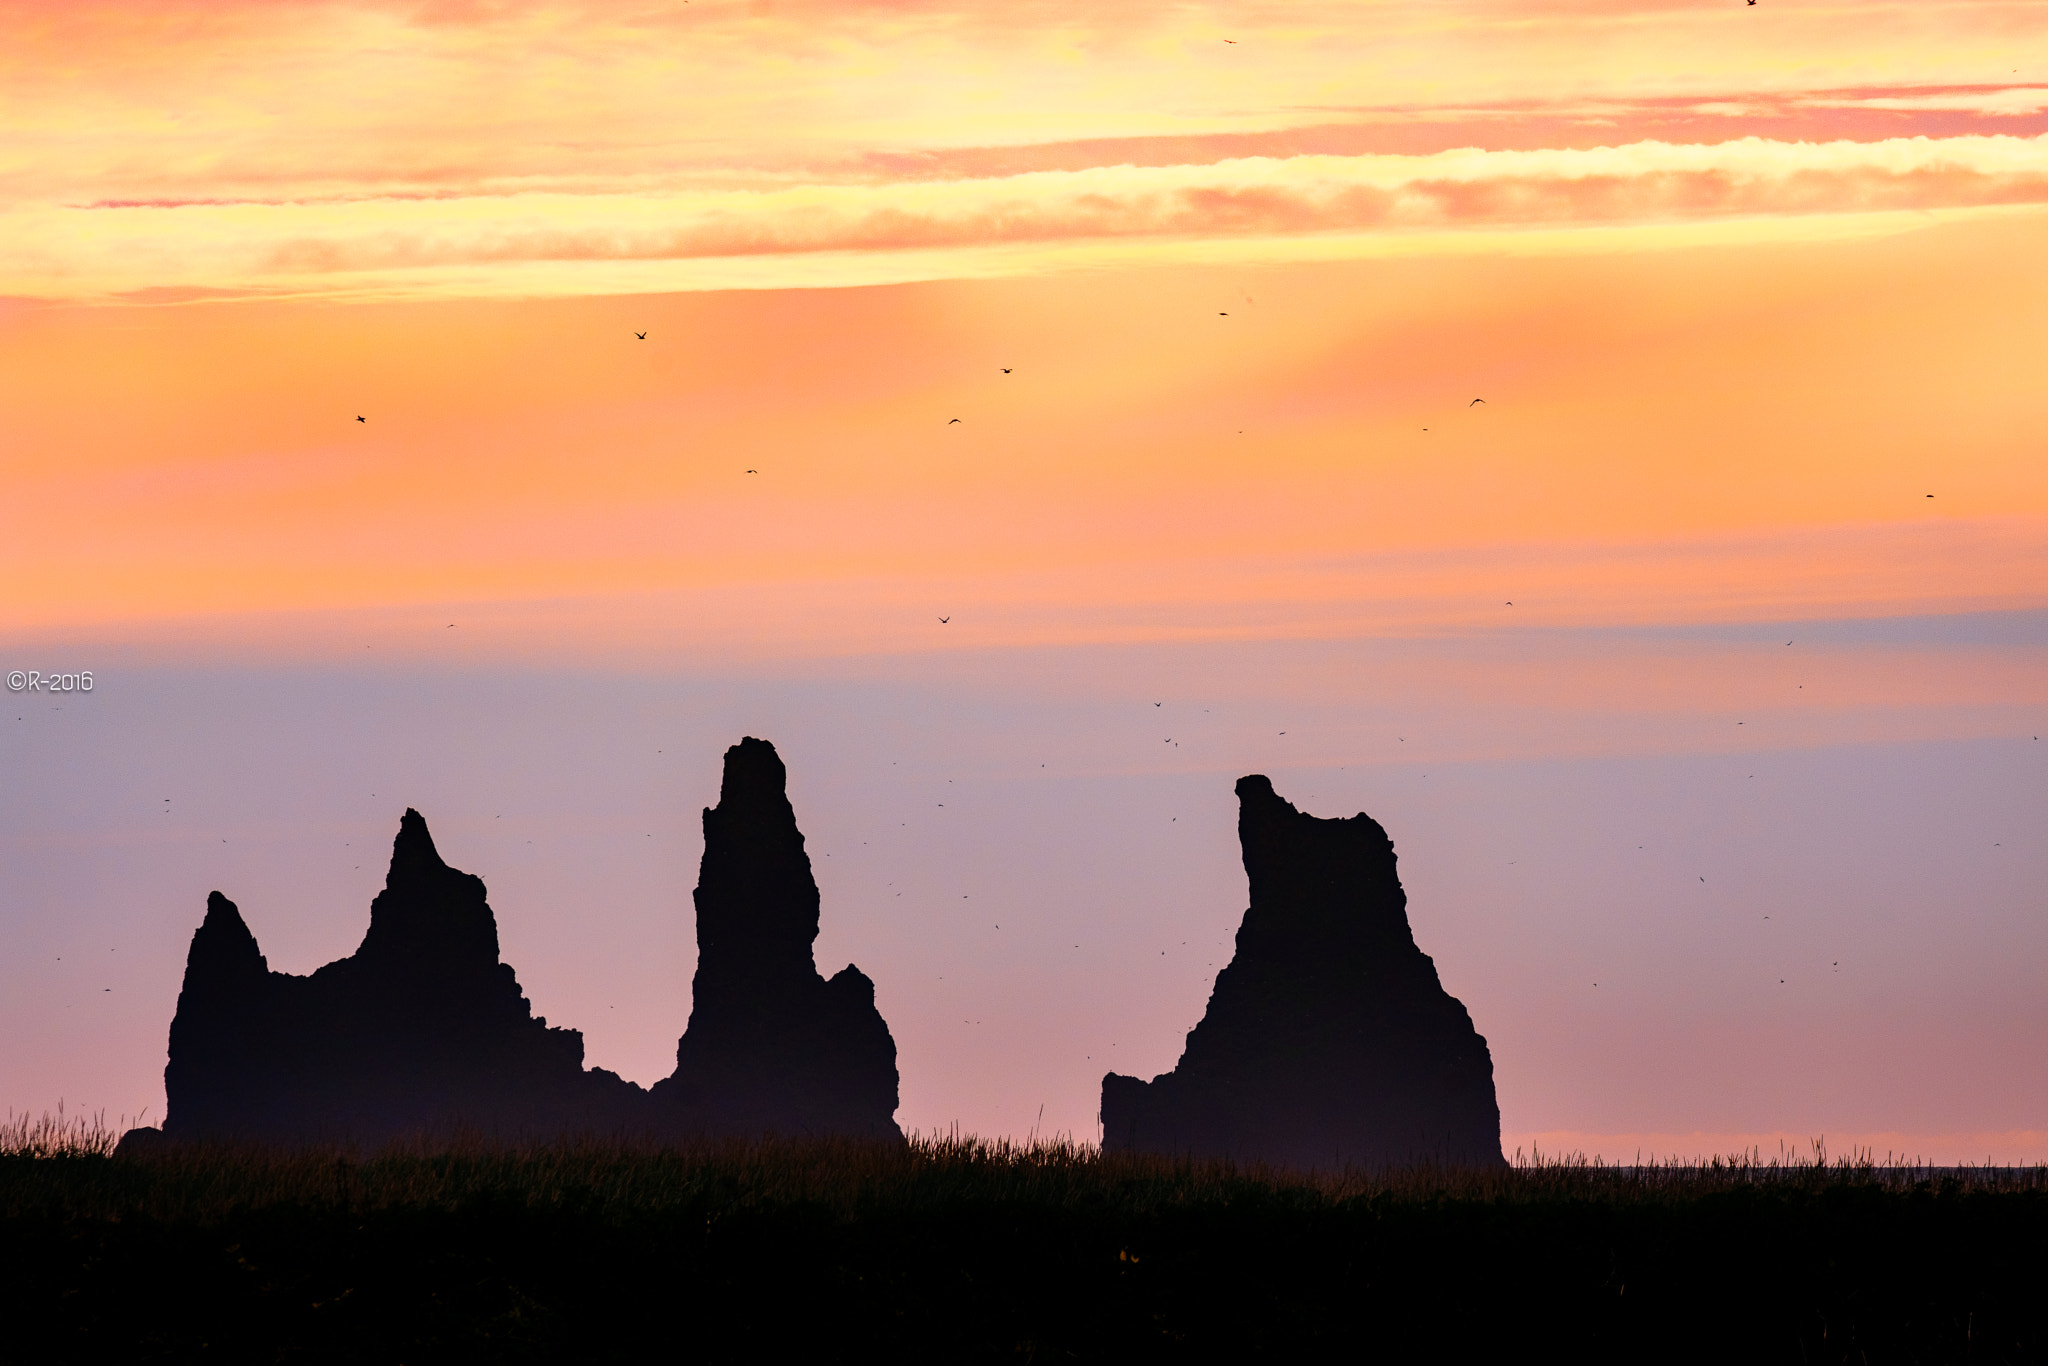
429, 917
772, 1046
421, 1030
1328, 1039
223, 1022
223, 953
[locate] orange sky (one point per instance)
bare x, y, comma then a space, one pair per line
1723, 275
1701, 433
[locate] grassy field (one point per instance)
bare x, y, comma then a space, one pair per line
958, 1250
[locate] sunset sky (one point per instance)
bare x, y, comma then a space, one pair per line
1604, 440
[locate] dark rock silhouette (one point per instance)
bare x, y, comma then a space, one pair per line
420, 1031
1328, 1040
772, 1046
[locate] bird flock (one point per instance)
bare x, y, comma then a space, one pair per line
955, 421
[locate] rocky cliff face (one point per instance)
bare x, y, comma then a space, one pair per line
421, 1030
771, 1045
1328, 1039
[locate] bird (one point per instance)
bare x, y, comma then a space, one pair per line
753, 471
641, 335
951, 421
1156, 704
1233, 41
1475, 401
944, 620
1006, 369
361, 418
1222, 315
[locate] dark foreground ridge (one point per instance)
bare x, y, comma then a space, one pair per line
423, 1031
843, 1249
772, 1047
1328, 1040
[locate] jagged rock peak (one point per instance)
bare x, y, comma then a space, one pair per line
223, 950
223, 931
428, 913
413, 853
421, 1030
756, 898
755, 781
1315, 879
772, 1046
1328, 1039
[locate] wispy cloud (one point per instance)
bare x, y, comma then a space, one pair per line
114, 247
507, 146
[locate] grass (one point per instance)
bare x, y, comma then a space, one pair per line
957, 1249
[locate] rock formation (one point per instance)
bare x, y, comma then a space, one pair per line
772, 1046
421, 1030
1328, 1040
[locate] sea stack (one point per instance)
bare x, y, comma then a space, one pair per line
1328, 1041
771, 1046
422, 1031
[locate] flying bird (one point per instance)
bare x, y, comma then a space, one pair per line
1233, 41
951, 421
1475, 402
753, 471
641, 335
944, 620
361, 418
1006, 369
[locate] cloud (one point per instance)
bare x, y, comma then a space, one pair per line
503, 147
1996, 102
121, 247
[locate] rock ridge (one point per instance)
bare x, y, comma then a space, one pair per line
424, 1032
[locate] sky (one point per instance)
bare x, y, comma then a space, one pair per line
1603, 440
